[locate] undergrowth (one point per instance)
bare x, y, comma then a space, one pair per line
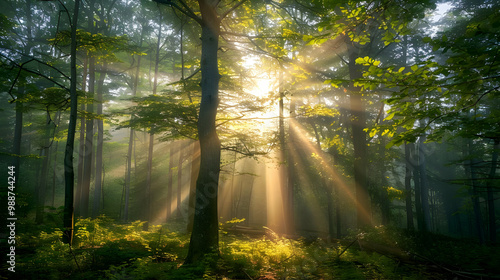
105, 249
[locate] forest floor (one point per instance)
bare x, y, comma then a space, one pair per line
104, 249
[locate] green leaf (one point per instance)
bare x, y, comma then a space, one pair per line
414, 68
388, 118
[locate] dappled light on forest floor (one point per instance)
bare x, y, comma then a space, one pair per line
105, 249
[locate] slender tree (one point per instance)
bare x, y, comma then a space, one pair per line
69, 174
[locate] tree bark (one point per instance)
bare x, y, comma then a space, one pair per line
19, 108
471, 170
54, 168
205, 234
81, 148
69, 174
418, 192
127, 175
408, 191
288, 193
89, 128
127, 184
490, 191
42, 183
357, 110
424, 185
89, 145
170, 182
195, 169
96, 206
179, 182
147, 192
385, 203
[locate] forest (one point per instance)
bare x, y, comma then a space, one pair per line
249, 139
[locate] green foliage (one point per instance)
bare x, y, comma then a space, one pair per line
102, 247
99, 45
459, 79
108, 250
167, 112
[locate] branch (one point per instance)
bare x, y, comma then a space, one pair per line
187, 11
248, 153
21, 67
185, 79
232, 9
48, 65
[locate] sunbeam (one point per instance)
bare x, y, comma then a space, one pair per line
304, 141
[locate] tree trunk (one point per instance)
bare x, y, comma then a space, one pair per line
81, 149
357, 110
96, 206
147, 191
170, 182
195, 169
127, 184
408, 191
490, 191
18, 132
18, 125
385, 203
424, 185
474, 191
205, 234
89, 139
42, 182
69, 174
55, 169
89, 127
127, 175
288, 200
179, 182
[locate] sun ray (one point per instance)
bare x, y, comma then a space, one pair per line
305, 141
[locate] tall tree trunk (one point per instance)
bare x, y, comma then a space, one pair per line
18, 125
42, 182
418, 192
179, 181
490, 190
288, 200
69, 174
127, 184
408, 191
385, 203
170, 182
54, 168
96, 205
472, 164
357, 110
195, 169
408, 158
89, 145
284, 156
205, 234
147, 192
89, 127
127, 175
81, 148
424, 185
18, 132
